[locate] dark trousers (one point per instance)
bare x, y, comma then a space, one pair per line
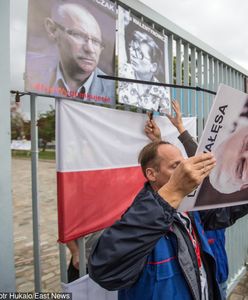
73, 273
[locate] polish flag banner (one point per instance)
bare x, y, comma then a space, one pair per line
98, 174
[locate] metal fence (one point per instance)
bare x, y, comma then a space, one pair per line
191, 62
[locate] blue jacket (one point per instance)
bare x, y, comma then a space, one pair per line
148, 254
163, 276
216, 240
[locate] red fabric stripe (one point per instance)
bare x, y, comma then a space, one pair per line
92, 200
161, 261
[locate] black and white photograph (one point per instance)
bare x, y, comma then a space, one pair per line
70, 43
142, 55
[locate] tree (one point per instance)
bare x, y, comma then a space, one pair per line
27, 130
17, 124
46, 127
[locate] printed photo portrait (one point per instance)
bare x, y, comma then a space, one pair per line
226, 136
70, 43
228, 181
142, 55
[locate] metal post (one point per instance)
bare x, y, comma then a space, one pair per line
7, 268
199, 100
186, 78
82, 255
179, 69
63, 265
170, 60
216, 74
211, 82
193, 81
205, 84
35, 198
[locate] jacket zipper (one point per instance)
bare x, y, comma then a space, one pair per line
195, 258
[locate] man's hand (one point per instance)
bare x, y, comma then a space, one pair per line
75, 260
152, 131
177, 119
73, 247
186, 177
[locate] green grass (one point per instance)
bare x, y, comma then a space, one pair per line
49, 154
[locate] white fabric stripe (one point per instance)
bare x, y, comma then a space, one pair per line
92, 137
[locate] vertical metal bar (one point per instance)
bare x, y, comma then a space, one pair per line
221, 73
7, 267
211, 83
205, 82
237, 80
216, 74
233, 78
230, 77
199, 94
178, 69
35, 198
82, 257
227, 76
225, 80
241, 81
62, 262
186, 78
193, 81
170, 60
245, 84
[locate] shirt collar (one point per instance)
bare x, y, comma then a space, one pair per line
86, 85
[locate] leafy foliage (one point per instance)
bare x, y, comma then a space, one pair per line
17, 126
46, 128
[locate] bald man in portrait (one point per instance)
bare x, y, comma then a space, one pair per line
73, 71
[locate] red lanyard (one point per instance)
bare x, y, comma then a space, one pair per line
196, 246
195, 243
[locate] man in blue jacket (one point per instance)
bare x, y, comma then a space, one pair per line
154, 252
216, 238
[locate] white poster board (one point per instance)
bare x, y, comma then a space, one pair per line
226, 135
20, 145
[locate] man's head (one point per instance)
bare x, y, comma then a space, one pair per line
231, 171
144, 54
158, 161
78, 37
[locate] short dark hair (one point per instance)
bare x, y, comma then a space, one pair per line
154, 51
148, 156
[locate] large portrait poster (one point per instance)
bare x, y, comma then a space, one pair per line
226, 135
142, 55
70, 43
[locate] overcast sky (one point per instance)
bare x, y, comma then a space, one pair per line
222, 24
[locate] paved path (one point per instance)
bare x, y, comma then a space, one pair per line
241, 290
23, 225
48, 229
